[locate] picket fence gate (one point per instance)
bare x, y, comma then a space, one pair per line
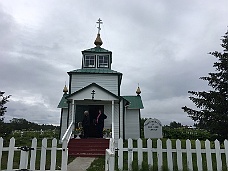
29, 155
159, 151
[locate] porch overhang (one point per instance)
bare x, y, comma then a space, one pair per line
93, 93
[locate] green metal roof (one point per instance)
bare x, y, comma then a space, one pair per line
97, 49
135, 102
63, 102
97, 71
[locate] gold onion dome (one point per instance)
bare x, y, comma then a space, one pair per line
98, 41
138, 91
65, 90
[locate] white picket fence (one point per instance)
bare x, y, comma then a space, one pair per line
29, 155
196, 155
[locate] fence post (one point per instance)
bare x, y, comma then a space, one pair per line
43, 154
179, 155
120, 154
130, 153
109, 160
33, 154
64, 156
149, 152
112, 161
189, 155
198, 155
208, 155
53, 154
159, 154
140, 153
169, 154
11, 154
218, 155
24, 159
106, 160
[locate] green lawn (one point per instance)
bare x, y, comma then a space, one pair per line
98, 164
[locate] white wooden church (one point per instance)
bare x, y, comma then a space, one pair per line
96, 86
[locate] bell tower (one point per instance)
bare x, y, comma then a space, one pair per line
97, 57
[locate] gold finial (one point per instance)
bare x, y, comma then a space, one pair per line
65, 90
98, 41
138, 91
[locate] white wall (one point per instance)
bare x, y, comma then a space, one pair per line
109, 82
108, 121
121, 118
99, 94
132, 124
63, 121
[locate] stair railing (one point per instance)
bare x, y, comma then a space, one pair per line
110, 156
68, 132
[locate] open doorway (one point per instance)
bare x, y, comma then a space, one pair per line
93, 113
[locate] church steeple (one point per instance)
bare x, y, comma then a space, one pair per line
97, 57
98, 42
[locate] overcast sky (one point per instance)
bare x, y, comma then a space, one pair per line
162, 45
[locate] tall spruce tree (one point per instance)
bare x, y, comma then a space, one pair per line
212, 106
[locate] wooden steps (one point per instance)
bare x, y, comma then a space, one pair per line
90, 147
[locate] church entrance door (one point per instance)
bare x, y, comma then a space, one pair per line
93, 113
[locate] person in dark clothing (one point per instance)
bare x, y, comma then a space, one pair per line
86, 124
100, 123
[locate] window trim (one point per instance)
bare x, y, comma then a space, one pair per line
108, 58
84, 61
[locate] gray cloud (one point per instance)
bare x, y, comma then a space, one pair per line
162, 45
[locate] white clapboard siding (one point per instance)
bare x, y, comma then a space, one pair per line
121, 118
31, 156
132, 129
64, 118
159, 150
108, 121
109, 82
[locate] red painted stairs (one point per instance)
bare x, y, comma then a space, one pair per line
90, 147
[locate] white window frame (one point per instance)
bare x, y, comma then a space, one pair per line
88, 58
102, 64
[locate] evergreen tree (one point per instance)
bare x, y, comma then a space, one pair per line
175, 124
212, 106
3, 101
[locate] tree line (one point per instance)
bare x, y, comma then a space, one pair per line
17, 123
22, 124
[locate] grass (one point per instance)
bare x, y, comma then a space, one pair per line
24, 142
98, 165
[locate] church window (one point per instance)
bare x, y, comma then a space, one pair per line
89, 61
103, 61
